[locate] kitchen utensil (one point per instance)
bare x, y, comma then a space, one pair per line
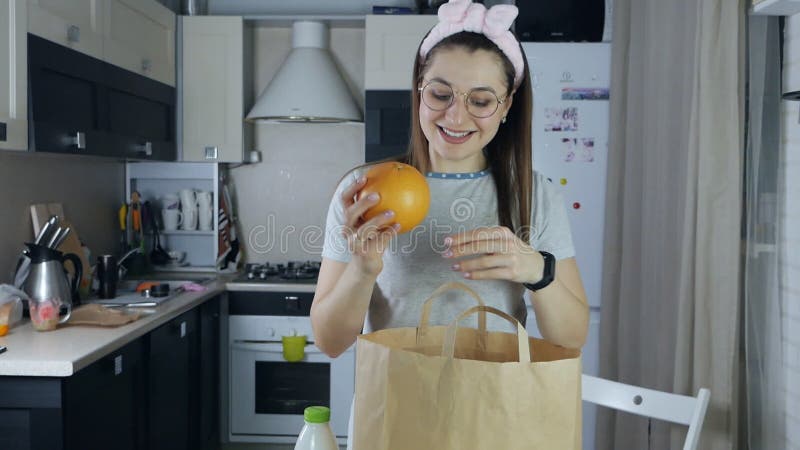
158, 255
133, 305
123, 221
136, 221
107, 275
60, 237
47, 285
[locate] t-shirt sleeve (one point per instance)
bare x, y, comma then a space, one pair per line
335, 244
551, 231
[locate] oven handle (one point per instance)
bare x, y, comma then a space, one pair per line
267, 346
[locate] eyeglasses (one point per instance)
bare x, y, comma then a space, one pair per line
480, 102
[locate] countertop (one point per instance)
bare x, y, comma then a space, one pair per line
67, 349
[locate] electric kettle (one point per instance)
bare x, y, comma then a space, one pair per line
47, 284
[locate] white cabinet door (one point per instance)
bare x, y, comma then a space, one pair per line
391, 46
13, 76
77, 24
213, 86
139, 35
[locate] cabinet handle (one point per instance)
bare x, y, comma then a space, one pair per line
146, 149
183, 329
146, 65
117, 365
211, 152
73, 34
78, 140
3, 132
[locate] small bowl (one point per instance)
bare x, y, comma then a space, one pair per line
176, 255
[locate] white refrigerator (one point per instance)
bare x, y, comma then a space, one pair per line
570, 146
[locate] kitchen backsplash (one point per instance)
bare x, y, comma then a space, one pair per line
90, 190
282, 202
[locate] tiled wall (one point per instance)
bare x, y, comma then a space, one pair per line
90, 190
282, 201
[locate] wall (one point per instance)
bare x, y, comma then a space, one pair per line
90, 190
789, 223
282, 201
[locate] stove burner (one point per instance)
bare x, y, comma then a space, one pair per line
292, 270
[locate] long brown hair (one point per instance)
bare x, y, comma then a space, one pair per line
508, 154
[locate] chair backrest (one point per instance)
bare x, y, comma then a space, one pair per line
659, 405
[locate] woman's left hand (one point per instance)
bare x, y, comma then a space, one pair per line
494, 253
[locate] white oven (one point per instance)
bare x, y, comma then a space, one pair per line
267, 393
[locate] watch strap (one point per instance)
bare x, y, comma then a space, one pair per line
548, 273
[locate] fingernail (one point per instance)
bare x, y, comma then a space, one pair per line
456, 266
467, 275
373, 196
388, 213
396, 227
448, 241
447, 254
362, 179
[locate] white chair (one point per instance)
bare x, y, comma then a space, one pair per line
659, 405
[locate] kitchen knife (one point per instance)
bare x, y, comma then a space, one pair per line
60, 238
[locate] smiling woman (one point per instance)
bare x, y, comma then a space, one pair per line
491, 221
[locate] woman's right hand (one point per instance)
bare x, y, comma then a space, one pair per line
367, 239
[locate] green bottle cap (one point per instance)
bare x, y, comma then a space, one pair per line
317, 414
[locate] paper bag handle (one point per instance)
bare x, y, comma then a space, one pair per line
424, 317
448, 347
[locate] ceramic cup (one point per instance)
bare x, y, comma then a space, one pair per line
188, 199
171, 218
189, 219
204, 216
204, 199
170, 201
294, 348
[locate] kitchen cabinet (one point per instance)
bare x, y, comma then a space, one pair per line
213, 94
139, 35
77, 24
13, 76
391, 47
171, 389
102, 402
82, 105
160, 391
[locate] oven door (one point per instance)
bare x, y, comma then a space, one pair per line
268, 394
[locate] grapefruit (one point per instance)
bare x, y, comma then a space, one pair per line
402, 189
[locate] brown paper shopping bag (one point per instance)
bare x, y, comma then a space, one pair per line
447, 387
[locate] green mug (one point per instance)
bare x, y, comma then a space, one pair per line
294, 348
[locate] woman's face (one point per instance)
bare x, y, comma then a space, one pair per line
456, 138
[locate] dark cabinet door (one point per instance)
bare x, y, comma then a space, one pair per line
102, 403
169, 383
83, 105
209, 360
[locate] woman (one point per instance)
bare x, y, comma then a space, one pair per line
492, 221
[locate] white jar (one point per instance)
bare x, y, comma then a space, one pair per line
316, 433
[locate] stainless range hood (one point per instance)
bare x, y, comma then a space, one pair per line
308, 87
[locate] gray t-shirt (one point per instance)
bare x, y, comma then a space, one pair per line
413, 266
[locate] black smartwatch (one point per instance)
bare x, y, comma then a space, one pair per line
548, 274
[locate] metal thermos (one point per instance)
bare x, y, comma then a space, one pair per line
107, 276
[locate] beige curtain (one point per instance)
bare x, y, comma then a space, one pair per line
671, 272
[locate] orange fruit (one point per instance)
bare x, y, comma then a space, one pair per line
402, 189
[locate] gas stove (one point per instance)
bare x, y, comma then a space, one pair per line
301, 272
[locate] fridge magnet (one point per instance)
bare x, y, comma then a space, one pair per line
561, 119
572, 93
586, 151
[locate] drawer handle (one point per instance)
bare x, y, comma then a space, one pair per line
73, 34
145, 149
183, 329
117, 365
78, 140
146, 65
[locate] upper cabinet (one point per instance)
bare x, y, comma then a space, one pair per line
140, 37
74, 23
137, 35
391, 46
13, 76
213, 88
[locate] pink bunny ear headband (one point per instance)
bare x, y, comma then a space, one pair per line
463, 15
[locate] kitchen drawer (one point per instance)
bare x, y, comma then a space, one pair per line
244, 303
